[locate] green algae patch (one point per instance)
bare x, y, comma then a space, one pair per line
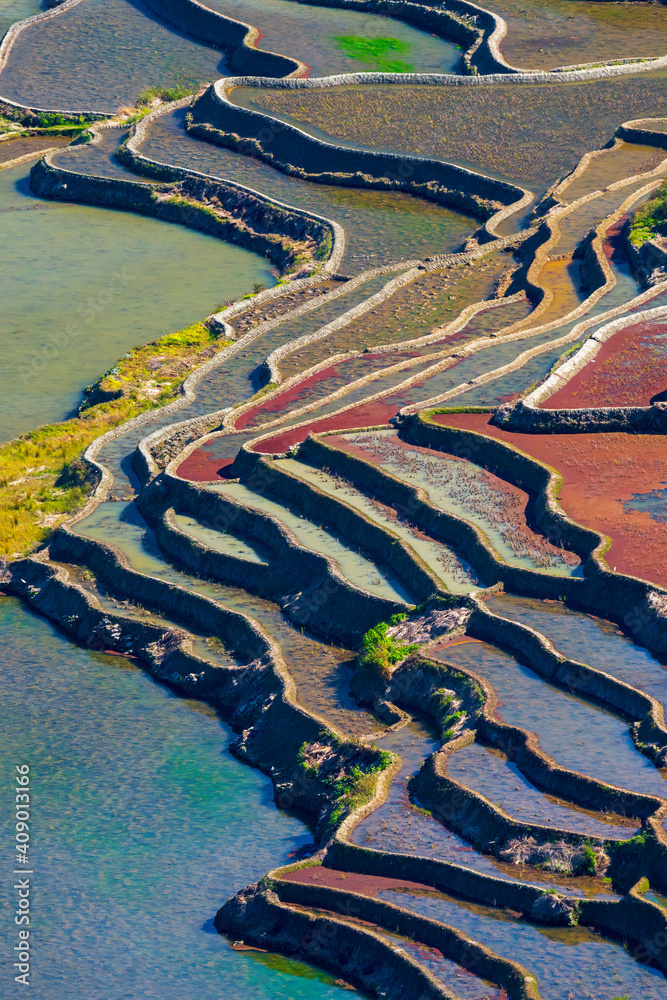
379, 53
42, 476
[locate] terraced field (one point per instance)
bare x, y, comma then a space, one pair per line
372, 495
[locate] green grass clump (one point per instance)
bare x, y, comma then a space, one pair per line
379, 53
42, 479
355, 788
588, 863
650, 218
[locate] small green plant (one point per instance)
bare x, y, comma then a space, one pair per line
379, 651
588, 863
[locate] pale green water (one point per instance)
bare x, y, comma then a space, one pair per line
82, 285
454, 573
221, 541
142, 825
100, 55
356, 568
16, 10
309, 33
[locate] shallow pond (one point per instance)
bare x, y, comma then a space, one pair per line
380, 226
543, 34
462, 488
401, 826
489, 772
16, 10
454, 572
355, 567
311, 34
81, 286
578, 735
589, 640
120, 765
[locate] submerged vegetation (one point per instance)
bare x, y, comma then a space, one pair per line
376, 52
42, 476
163, 95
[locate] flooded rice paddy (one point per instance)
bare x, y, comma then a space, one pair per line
462, 488
590, 640
456, 574
355, 567
100, 55
400, 825
530, 134
489, 772
380, 226
569, 962
578, 735
324, 689
544, 34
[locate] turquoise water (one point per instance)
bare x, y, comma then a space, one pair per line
142, 825
81, 286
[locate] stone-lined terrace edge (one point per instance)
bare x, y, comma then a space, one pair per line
345, 611
247, 217
215, 117
642, 618
528, 416
600, 589
259, 697
129, 155
234, 38
546, 234
483, 55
